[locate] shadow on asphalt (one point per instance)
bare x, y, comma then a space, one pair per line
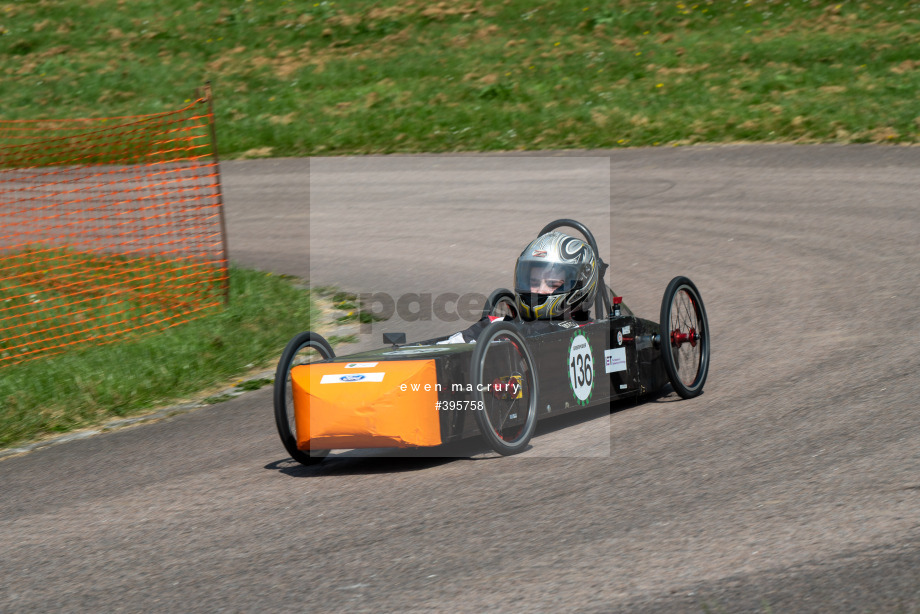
389, 460
665, 395
382, 460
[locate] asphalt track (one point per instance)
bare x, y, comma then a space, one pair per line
791, 485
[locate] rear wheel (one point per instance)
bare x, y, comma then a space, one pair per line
505, 388
303, 349
684, 337
501, 303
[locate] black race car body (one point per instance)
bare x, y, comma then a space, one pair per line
431, 393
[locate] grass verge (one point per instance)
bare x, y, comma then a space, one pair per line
379, 76
85, 387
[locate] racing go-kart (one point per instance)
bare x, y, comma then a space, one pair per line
428, 394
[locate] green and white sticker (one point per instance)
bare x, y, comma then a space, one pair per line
581, 369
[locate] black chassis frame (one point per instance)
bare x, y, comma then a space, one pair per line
644, 373
616, 327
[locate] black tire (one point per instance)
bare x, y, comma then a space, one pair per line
502, 356
684, 331
500, 303
297, 352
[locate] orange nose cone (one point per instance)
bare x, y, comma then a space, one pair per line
374, 405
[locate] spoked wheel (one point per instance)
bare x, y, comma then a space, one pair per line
303, 349
501, 303
684, 337
503, 368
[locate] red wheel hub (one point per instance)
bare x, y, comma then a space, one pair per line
678, 338
506, 388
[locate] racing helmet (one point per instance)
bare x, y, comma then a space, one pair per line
555, 276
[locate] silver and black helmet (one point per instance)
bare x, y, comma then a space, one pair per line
555, 276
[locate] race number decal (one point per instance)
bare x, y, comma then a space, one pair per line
581, 369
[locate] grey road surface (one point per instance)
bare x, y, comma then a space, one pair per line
791, 485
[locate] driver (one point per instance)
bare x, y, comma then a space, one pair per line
555, 279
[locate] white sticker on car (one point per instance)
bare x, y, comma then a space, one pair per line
360, 365
414, 350
348, 378
615, 360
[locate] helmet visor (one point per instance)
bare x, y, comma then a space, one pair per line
545, 278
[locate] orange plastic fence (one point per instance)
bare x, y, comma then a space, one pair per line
108, 227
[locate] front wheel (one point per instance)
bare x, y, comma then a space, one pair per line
505, 388
684, 337
501, 303
303, 349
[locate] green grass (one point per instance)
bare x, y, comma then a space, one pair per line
337, 77
87, 386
